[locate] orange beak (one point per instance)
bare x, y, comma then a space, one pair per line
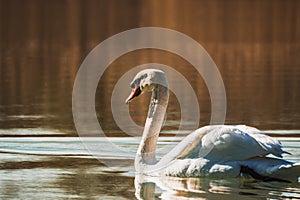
136, 91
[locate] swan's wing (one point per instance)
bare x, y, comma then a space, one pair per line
269, 144
221, 143
225, 143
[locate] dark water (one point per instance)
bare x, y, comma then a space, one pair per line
255, 45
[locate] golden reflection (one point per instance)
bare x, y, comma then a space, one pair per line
254, 45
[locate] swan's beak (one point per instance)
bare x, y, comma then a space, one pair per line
136, 91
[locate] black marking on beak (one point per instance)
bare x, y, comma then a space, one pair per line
136, 91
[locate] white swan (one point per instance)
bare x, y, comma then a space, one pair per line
218, 151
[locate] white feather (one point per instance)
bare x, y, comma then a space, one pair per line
214, 151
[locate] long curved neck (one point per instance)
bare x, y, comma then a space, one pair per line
157, 109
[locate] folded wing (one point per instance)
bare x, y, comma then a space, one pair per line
228, 143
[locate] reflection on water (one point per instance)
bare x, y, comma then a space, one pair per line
255, 45
62, 177
195, 188
51, 168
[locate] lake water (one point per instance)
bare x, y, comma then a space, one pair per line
62, 168
254, 44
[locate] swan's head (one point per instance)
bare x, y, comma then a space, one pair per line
145, 81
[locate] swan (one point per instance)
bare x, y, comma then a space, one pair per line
217, 151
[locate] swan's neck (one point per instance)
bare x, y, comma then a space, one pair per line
154, 121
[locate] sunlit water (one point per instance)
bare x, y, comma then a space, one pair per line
64, 167
254, 44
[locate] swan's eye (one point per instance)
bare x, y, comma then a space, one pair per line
144, 86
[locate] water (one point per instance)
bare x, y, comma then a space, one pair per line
254, 44
61, 168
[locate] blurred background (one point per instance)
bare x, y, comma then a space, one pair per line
255, 45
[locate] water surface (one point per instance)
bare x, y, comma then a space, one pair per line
52, 167
255, 45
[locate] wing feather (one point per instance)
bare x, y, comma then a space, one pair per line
227, 143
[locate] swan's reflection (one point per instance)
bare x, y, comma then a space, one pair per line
166, 187
148, 187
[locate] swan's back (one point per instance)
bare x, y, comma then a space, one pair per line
227, 143
224, 143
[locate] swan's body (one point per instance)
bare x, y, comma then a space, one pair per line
211, 151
